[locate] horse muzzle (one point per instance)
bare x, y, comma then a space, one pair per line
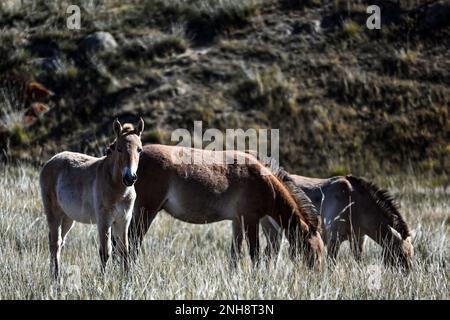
129, 179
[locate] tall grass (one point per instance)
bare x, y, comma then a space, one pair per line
11, 113
184, 261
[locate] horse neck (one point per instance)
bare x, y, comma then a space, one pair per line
366, 207
285, 209
111, 172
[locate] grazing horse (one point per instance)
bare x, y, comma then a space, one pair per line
352, 208
78, 187
209, 191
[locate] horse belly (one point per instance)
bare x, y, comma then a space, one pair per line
198, 211
75, 203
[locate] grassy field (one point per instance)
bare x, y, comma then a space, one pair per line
183, 261
345, 98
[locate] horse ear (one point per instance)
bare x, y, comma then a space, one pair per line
117, 127
140, 127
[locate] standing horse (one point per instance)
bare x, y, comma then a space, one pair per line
205, 192
352, 208
78, 187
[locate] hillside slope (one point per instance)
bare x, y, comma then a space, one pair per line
344, 97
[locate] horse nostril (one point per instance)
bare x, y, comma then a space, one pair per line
134, 176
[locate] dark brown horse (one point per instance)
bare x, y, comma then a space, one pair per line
351, 209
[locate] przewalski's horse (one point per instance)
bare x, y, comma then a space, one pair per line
352, 208
209, 192
78, 187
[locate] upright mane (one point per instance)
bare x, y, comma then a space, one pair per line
307, 208
127, 129
385, 202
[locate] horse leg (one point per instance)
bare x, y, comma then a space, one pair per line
236, 244
55, 241
357, 246
333, 247
104, 232
55, 218
67, 224
114, 245
251, 227
115, 242
120, 230
273, 237
141, 221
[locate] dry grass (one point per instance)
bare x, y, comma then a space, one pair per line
11, 114
350, 28
181, 260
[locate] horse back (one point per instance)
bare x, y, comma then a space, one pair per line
71, 164
67, 182
319, 190
199, 192
331, 196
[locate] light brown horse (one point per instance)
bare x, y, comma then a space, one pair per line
352, 208
209, 192
78, 187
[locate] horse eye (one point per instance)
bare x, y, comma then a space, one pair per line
119, 150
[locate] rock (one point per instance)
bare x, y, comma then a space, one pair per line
99, 41
182, 88
282, 29
313, 26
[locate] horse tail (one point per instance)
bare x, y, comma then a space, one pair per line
385, 203
45, 188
